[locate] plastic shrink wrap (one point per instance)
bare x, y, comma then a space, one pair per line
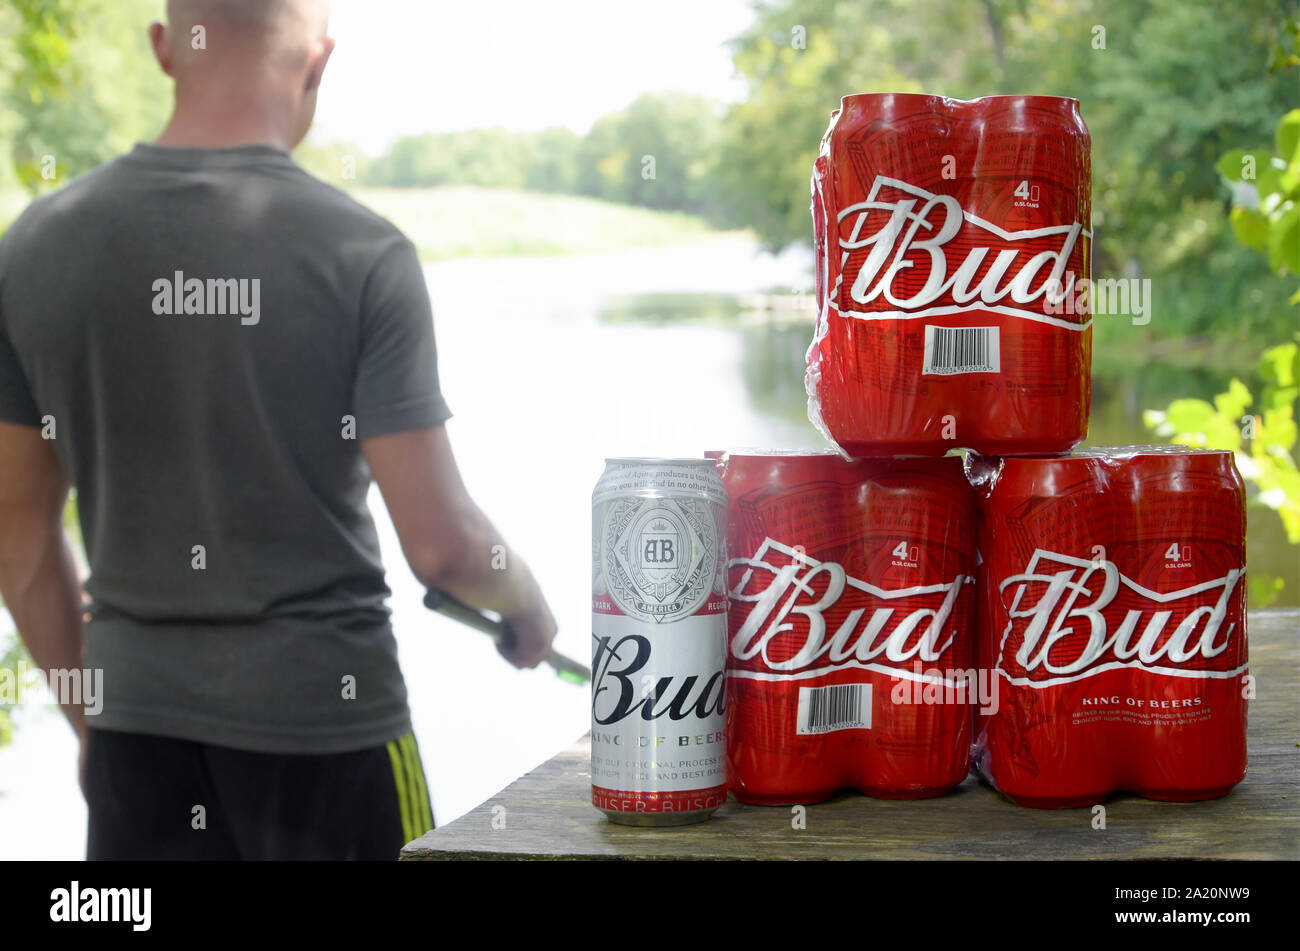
1112, 615
850, 625
951, 238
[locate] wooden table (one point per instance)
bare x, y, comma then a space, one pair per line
546, 814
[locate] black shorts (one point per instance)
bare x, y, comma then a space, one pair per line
153, 797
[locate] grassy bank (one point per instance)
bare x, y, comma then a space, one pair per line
460, 221
464, 221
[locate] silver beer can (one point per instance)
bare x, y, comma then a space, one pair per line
659, 641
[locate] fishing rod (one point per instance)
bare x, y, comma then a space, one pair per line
499, 630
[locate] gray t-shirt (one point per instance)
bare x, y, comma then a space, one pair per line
212, 332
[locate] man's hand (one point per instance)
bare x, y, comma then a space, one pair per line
533, 630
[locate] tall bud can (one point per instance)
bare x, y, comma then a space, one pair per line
659, 639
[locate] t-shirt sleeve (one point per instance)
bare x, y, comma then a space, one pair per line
16, 402
397, 386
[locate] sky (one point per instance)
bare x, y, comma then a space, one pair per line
409, 66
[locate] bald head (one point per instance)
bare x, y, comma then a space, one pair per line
278, 32
244, 64
240, 11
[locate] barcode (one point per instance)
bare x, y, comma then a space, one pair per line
951, 350
838, 707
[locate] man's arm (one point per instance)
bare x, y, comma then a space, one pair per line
448, 541
38, 574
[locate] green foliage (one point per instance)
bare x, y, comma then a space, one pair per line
542, 161
657, 152
1265, 217
1266, 196
1286, 52
496, 157
799, 58
41, 33
1261, 433
78, 86
554, 167
12, 653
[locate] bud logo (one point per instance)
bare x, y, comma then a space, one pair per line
618, 665
1085, 618
904, 272
796, 600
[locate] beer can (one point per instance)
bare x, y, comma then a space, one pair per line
658, 629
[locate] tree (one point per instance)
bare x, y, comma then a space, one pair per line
488, 157
799, 58
78, 86
657, 152
555, 162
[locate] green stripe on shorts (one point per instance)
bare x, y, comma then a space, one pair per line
399, 779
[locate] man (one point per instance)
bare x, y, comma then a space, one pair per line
219, 352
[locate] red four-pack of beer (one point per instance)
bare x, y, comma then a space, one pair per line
850, 625
1113, 619
952, 239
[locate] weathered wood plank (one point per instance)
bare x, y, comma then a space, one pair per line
547, 813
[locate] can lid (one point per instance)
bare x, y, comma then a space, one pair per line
1123, 463
949, 103
654, 461
1146, 449
1122, 452
784, 452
